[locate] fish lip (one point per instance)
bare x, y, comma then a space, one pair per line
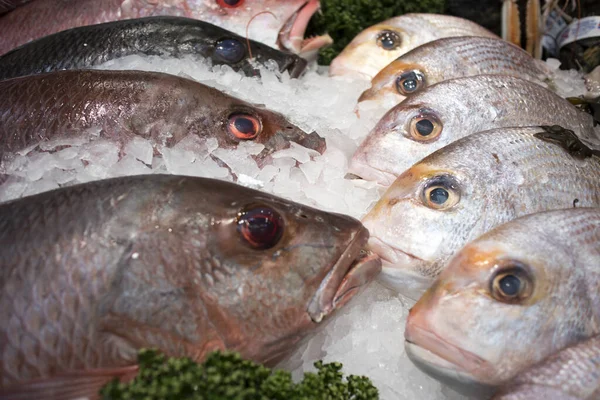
383, 178
447, 372
388, 252
291, 35
354, 269
295, 66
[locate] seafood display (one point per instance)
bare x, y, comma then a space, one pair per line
281, 24
378, 45
87, 46
450, 110
181, 177
467, 188
527, 295
160, 250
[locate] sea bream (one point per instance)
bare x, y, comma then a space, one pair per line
276, 23
471, 186
94, 272
450, 110
451, 58
118, 105
377, 46
88, 46
512, 298
570, 374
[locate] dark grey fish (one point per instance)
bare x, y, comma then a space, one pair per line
94, 272
87, 46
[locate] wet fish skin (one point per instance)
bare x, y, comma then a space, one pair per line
93, 272
282, 20
85, 47
160, 107
458, 108
451, 58
489, 178
554, 256
8, 5
570, 374
364, 58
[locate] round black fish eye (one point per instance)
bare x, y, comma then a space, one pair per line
512, 283
230, 3
388, 40
441, 193
244, 126
409, 82
260, 227
230, 51
425, 127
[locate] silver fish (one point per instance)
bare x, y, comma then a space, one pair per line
471, 186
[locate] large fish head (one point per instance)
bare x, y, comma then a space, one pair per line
279, 268
398, 80
505, 302
371, 50
237, 121
276, 23
404, 135
430, 212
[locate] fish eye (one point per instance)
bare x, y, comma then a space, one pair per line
230, 50
244, 126
441, 193
425, 127
261, 227
388, 40
409, 82
512, 283
230, 3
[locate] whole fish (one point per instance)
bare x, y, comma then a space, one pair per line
442, 113
469, 187
276, 23
160, 107
377, 46
510, 299
87, 46
8, 5
94, 272
570, 374
451, 58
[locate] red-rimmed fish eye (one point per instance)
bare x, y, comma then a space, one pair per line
244, 126
425, 127
261, 227
512, 283
409, 82
230, 3
388, 40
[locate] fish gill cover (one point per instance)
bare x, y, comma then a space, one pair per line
344, 19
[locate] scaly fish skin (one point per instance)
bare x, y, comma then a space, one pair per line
87, 46
93, 272
570, 374
23, 24
377, 46
8, 5
467, 188
511, 298
451, 58
454, 109
121, 104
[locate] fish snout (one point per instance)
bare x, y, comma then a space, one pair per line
359, 166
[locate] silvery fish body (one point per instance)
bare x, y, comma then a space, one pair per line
450, 110
94, 272
377, 46
451, 58
467, 188
88, 46
510, 299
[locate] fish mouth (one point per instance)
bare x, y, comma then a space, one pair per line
360, 170
291, 36
447, 372
355, 268
395, 275
295, 66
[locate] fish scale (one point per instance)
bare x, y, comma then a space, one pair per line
501, 174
